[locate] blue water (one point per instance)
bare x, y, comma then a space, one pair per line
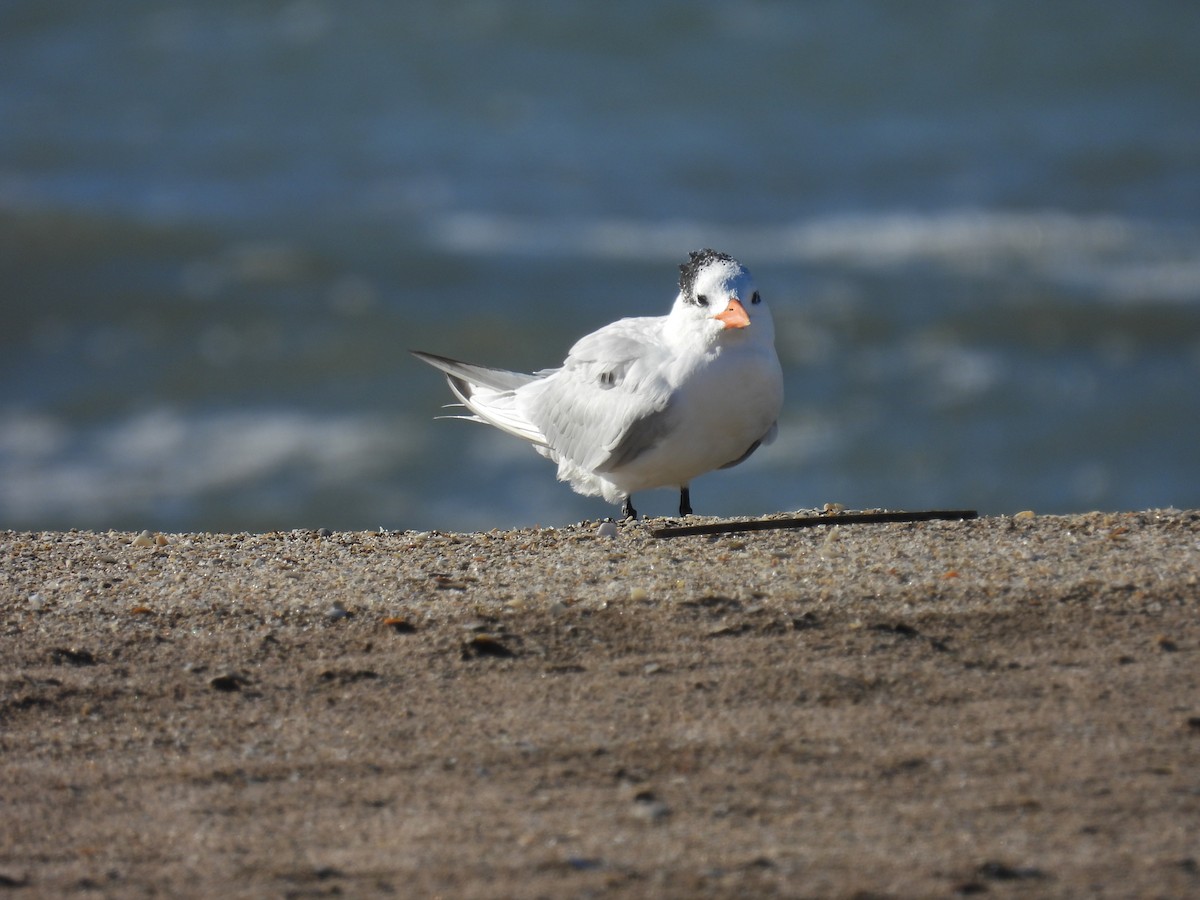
223, 223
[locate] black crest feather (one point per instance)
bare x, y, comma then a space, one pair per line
697, 260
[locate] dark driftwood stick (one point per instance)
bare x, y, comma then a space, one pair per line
869, 518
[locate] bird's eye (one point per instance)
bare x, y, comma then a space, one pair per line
756, 298
702, 300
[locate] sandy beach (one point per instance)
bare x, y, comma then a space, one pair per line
1005, 706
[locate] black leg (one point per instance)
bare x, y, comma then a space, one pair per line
685, 501
627, 510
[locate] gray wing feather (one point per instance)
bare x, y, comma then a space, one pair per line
641, 435
608, 403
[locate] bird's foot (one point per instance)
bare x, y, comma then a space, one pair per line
627, 510
685, 502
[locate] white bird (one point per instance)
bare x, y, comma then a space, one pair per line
646, 402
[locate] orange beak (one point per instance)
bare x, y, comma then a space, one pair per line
734, 315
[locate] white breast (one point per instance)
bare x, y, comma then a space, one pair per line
720, 408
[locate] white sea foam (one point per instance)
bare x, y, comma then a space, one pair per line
1117, 258
52, 471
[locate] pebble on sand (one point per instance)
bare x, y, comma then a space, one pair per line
150, 539
607, 530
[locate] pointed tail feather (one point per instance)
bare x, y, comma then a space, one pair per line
487, 392
483, 376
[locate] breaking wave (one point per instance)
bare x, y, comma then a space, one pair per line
161, 464
1115, 257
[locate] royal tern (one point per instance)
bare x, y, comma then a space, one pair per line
646, 402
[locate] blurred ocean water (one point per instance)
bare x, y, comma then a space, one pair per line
223, 224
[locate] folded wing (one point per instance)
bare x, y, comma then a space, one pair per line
610, 401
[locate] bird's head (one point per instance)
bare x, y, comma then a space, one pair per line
718, 297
